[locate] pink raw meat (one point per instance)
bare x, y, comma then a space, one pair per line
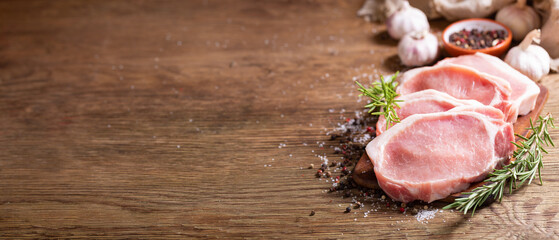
430, 156
524, 91
425, 101
462, 83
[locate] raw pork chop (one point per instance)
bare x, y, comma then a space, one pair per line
430, 156
462, 83
426, 101
524, 91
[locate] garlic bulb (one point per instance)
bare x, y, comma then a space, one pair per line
531, 60
543, 8
520, 18
405, 20
418, 48
375, 10
462, 9
550, 35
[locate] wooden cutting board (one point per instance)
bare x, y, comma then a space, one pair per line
364, 174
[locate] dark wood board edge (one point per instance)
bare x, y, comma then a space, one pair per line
364, 175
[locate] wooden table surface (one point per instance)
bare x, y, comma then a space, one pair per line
198, 119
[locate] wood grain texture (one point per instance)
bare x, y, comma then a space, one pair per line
197, 119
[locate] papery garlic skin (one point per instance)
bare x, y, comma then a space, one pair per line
550, 32
454, 10
520, 18
531, 60
418, 49
405, 20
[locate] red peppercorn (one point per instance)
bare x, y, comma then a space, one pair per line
402, 209
348, 119
388, 204
319, 173
369, 129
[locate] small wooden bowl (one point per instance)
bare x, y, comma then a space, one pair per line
476, 23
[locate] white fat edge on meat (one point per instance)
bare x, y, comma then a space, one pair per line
386, 136
501, 84
457, 187
529, 93
492, 130
502, 64
402, 78
432, 94
391, 132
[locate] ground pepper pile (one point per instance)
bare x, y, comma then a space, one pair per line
350, 137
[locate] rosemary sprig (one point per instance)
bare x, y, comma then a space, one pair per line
382, 94
528, 162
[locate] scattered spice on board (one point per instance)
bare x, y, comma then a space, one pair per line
357, 205
425, 215
349, 139
477, 39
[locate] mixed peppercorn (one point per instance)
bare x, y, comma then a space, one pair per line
350, 144
477, 39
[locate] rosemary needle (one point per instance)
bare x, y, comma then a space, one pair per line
528, 162
382, 95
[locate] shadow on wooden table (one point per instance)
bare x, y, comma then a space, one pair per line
394, 64
382, 38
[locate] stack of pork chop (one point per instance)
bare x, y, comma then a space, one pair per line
456, 127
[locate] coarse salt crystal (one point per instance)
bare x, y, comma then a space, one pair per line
424, 215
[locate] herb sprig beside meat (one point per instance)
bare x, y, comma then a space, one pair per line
528, 162
382, 95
